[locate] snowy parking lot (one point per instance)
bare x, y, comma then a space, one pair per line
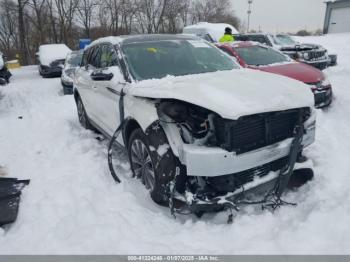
73, 206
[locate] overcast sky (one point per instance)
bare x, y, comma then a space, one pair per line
282, 15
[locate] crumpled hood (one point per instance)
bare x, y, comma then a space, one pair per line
231, 94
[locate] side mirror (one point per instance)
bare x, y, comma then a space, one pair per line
101, 76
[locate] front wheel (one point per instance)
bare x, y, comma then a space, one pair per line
155, 168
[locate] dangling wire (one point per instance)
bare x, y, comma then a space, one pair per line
115, 137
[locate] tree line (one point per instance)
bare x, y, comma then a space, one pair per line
26, 24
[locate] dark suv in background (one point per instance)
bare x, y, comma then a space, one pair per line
311, 54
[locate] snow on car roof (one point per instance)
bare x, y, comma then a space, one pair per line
128, 39
215, 30
109, 39
50, 53
238, 44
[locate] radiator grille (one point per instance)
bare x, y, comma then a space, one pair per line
253, 132
316, 55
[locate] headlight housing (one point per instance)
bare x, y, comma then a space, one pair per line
194, 122
70, 72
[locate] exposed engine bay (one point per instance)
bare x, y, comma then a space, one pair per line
201, 127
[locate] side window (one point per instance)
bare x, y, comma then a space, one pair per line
84, 60
263, 40
108, 56
94, 57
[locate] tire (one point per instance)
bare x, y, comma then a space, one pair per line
67, 91
83, 117
155, 171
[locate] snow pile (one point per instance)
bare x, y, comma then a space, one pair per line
215, 30
49, 53
72, 205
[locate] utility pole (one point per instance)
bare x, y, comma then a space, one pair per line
250, 2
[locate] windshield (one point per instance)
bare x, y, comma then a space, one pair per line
148, 60
260, 56
74, 60
284, 40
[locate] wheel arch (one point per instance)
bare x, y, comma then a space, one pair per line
130, 126
76, 94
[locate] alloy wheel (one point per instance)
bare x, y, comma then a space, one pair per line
142, 164
81, 113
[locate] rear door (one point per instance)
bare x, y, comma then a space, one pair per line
86, 86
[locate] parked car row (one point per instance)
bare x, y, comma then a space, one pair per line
198, 127
261, 57
311, 54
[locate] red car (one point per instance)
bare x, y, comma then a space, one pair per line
260, 57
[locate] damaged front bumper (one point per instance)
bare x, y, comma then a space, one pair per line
262, 189
230, 180
212, 162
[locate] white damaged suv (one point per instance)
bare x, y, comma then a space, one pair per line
196, 126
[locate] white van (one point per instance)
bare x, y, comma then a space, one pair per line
211, 32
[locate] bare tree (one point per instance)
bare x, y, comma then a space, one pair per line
8, 26
175, 16
215, 11
150, 14
38, 7
53, 32
25, 24
25, 57
86, 10
66, 10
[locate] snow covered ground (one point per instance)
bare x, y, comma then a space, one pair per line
72, 205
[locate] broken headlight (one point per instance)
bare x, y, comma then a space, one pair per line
193, 121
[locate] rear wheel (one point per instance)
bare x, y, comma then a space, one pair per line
83, 118
67, 90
